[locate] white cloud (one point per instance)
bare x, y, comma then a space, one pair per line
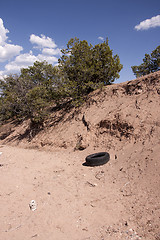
25, 60
149, 23
3, 33
48, 51
101, 38
7, 51
1, 75
21, 61
51, 51
42, 41
49, 59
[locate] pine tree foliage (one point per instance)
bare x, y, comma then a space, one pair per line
82, 68
86, 68
28, 95
151, 63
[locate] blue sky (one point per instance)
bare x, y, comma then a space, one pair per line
36, 30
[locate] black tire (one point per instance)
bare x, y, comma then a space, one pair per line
97, 159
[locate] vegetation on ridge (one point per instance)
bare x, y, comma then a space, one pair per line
82, 68
151, 63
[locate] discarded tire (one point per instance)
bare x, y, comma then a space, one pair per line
97, 159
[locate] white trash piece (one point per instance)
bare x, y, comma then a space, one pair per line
33, 205
0, 153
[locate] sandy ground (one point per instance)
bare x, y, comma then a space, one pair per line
118, 200
115, 201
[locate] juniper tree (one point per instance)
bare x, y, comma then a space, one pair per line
151, 63
86, 68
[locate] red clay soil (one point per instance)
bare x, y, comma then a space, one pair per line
118, 200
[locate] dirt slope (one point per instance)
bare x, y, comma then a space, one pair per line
118, 114
119, 200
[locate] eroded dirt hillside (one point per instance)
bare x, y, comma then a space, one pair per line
118, 200
119, 113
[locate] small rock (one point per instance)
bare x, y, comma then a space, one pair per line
36, 235
126, 224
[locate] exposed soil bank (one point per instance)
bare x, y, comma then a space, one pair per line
118, 200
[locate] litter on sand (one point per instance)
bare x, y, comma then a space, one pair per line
33, 205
